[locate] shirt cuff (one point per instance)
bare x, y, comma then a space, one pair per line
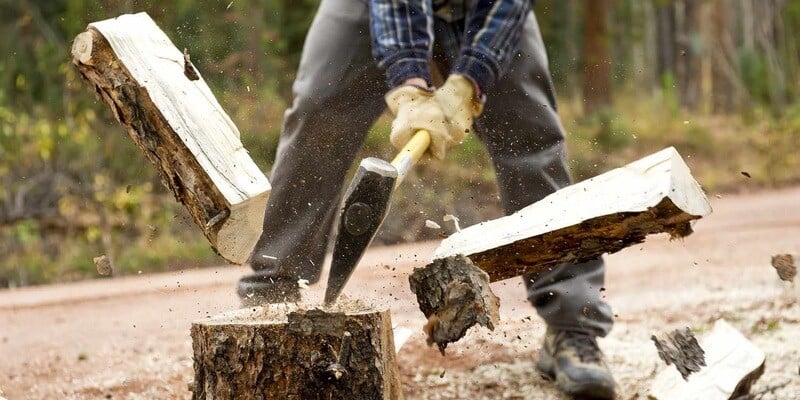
406, 65
478, 67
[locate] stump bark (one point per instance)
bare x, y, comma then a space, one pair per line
284, 352
162, 101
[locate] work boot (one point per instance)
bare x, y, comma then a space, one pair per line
258, 289
575, 362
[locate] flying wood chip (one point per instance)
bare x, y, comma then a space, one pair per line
784, 265
454, 295
103, 264
680, 347
188, 67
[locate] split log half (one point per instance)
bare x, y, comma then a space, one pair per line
170, 113
281, 351
578, 223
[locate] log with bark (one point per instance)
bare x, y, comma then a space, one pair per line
282, 351
162, 101
575, 224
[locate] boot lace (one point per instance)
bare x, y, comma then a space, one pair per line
585, 346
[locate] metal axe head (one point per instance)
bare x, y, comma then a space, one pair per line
365, 207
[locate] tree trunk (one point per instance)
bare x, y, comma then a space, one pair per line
689, 66
596, 57
665, 31
571, 31
164, 104
284, 352
723, 75
768, 36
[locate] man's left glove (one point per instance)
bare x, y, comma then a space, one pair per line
460, 104
414, 109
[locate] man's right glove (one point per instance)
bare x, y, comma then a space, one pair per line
460, 105
414, 108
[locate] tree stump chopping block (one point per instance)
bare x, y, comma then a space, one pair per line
285, 352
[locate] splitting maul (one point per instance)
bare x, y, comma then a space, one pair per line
365, 207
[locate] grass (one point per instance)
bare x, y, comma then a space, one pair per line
63, 257
716, 148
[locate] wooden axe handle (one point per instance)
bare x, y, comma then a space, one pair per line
410, 154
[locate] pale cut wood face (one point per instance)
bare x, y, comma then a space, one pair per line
600, 215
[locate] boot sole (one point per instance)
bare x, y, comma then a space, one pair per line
546, 366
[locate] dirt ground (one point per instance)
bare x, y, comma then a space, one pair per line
128, 338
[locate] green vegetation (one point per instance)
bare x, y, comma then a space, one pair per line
73, 186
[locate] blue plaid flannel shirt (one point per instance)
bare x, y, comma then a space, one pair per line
402, 36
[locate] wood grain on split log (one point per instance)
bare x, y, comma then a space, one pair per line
581, 222
454, 295
179, 125
283, 352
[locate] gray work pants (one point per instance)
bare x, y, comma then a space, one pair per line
338, 95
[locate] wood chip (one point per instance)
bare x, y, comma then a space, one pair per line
451, 217
680, 347
784, 265
188, 67
454, 295
432, 225
103, 264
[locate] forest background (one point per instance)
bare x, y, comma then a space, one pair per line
718, 79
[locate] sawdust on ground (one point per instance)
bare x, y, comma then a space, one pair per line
128, 338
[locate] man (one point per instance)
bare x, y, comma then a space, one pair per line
498, 77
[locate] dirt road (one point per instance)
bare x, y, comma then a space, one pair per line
127, 338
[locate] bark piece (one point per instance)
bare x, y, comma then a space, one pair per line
733, 365
168, 110
282, 351
680, 348
581, 222
784, 266
103, 264
454, 295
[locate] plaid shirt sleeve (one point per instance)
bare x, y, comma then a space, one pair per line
402, 38
491, 35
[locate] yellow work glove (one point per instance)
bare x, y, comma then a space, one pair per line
459, 104
413, 109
